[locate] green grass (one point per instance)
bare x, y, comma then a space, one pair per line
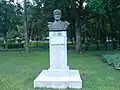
18, 70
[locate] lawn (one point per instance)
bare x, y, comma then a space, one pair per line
18, 70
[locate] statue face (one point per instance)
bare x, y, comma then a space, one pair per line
57, 14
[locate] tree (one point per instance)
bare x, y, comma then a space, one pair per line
10, 16
72, 9
26, 27
111, 7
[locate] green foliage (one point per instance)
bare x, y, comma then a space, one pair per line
113, 59
96, 5
39, 44
111, 5
100, 19
36, 20
10, 16
1, 41
14, 46
45, 44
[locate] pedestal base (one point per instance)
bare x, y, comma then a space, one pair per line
57, 79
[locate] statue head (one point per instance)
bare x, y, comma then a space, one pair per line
57, 14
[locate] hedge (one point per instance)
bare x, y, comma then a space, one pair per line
12, 46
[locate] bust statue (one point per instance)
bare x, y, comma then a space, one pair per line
58, 24
58, 41
58, 75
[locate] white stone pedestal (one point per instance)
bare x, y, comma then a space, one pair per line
58, 79
58, 75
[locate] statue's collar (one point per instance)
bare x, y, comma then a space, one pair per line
57, 21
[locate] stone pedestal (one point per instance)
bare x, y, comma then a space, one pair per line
58, 75
58, 79
58, 50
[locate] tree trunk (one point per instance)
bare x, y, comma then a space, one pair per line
105, 33
118, 37
78, 35
26, 28
74, 33
98, 45
106, 44
98, 34
114, 46
5, 40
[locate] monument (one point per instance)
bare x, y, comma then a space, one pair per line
58, 75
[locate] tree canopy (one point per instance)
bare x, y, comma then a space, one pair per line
98, 22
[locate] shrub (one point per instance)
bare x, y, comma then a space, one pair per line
35, 43
112, 59
12, 46
11, 41
1, 41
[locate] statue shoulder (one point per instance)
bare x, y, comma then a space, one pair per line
49, 24
66, 22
